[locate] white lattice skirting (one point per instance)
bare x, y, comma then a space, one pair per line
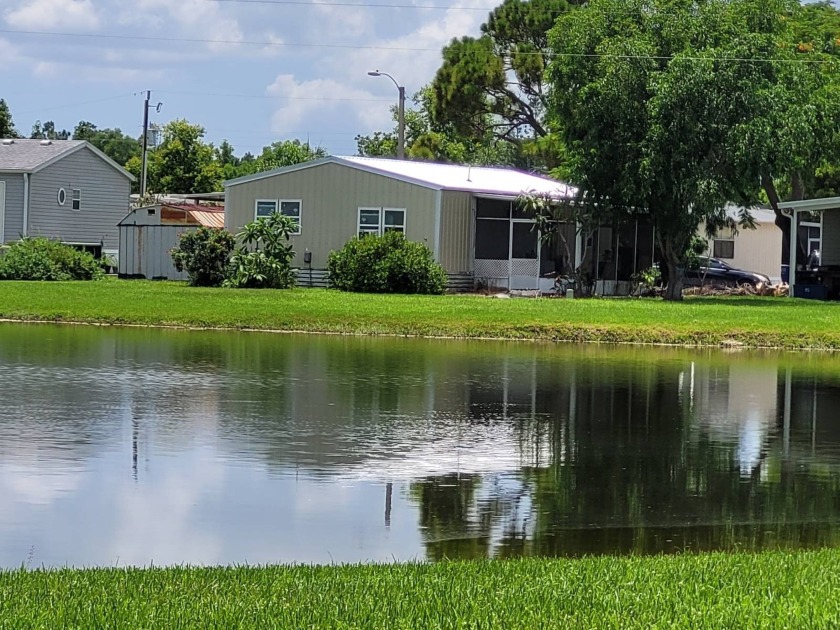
524, 267
491, 269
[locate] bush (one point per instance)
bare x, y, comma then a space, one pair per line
39, 258
385, 264
269, 264
204, 255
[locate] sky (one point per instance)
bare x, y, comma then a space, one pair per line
250, 71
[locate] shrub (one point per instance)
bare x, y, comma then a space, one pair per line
385, 264
204, 255
39, 258
269, 264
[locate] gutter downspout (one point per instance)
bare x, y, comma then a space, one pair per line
794, 240
438, 207
25, 228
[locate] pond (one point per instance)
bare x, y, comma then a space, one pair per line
136, 446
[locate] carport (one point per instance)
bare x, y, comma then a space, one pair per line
823, 280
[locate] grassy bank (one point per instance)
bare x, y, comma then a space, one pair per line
772, 590
767, 322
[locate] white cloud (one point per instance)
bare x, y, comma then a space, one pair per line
318, 97
196, 18
414, 57
65, 15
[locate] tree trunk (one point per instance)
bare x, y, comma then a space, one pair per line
673, 291
672, 256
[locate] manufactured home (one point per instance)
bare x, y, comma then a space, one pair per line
466, 215
63, 189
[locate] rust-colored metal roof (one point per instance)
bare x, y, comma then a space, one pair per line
210, 218
192, 214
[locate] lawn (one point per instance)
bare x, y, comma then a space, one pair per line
771, 590
752, 321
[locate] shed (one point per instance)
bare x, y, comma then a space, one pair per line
148, 234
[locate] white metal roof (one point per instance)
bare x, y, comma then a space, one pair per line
826, 203
504, 182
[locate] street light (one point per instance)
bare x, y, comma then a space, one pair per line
401, 117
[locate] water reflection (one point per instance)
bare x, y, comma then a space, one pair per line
139, 446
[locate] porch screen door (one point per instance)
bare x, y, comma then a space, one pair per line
524, 256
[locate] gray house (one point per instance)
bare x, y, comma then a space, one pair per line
63, 189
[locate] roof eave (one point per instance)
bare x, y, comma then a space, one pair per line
330, 160
826, 203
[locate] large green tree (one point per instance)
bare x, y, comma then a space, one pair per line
7, 125
791, 142
495, 84
653, 97
183, 163
112, 142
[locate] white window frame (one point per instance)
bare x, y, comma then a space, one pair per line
299, 202
381, 228
359, 228
61, 197
76, 198
394, 229
278, 205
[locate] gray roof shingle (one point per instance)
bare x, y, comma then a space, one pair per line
28, 155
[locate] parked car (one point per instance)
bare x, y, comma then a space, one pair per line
715, 272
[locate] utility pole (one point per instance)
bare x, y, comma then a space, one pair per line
144, 167
145, 144
401, 125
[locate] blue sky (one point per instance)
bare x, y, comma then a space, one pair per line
264, 70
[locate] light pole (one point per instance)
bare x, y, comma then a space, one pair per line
401, 115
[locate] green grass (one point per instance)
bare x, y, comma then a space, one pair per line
756, 322
771, 590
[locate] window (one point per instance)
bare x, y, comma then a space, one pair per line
381, 220
62, 196
394, 220
291, 208
724, 248
287, 207
265, 208
77, 199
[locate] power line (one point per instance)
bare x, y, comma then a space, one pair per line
287, 98
371, 5
167, 39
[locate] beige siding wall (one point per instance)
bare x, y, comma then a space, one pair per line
830, 253
758, 250
456, 232
331, 195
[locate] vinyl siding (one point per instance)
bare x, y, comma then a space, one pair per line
104, 200
331, 195
758, 250
13, 224
456, 232
830, 253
